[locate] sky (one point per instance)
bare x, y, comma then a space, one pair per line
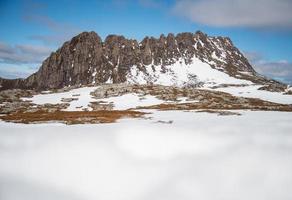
31, 30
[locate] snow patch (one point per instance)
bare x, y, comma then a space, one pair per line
83, 95
214, 56
132, 100
252, 91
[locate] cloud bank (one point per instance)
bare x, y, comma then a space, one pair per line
21, 60
280, 70
237, 13
23, 53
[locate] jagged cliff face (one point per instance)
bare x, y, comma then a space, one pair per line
86, 59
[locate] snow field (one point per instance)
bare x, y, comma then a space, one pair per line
198, 156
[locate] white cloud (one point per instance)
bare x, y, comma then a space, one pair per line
237, 13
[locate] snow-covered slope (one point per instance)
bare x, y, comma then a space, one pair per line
198, 156
197, 73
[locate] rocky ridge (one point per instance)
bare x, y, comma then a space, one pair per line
86, 59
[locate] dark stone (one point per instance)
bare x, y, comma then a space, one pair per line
86, 59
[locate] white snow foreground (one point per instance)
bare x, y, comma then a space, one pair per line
198, 156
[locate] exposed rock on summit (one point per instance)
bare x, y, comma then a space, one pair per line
86, 59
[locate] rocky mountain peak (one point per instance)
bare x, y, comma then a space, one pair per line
86, 59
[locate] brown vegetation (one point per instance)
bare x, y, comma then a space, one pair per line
19, 111
73, 117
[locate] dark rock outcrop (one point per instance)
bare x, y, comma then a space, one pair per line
86, 59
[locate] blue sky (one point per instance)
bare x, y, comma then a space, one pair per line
31, 29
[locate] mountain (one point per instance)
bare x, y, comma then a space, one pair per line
185, 59
175, 72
